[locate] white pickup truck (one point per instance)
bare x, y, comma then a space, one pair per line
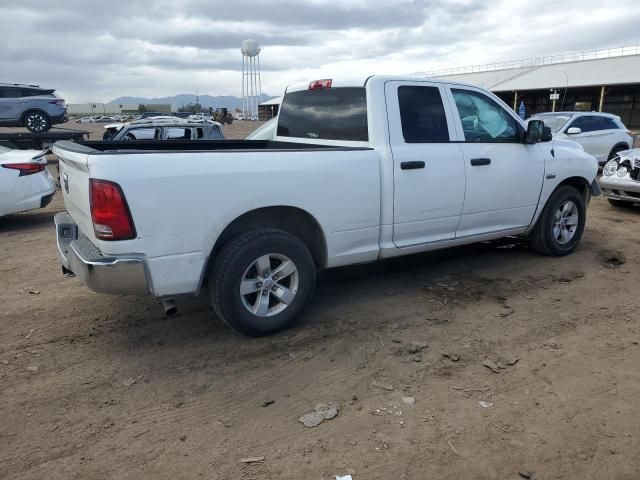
359, 171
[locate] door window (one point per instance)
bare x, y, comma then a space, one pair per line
142, 134
483, 120
178, 133
422, 115
590, 123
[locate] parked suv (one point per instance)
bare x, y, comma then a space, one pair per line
602, 135
30, 106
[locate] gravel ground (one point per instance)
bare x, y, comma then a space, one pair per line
486, 361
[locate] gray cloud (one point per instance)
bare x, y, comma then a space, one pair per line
95, 50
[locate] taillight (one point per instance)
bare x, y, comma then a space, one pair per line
26, 168
109, 211
58, 101
326, 83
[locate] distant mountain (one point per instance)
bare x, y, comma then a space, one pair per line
206, 101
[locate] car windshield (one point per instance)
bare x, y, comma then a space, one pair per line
554, 122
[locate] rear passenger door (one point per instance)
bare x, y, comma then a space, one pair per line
428, 169
503, 174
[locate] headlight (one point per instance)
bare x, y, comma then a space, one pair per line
610, 168
622, 171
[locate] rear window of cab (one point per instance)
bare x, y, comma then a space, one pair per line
325, 114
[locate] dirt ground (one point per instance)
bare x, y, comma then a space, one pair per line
108, 387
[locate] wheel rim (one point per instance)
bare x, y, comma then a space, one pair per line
565, 222
269, 285
36, 122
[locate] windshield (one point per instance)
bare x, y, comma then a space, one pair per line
554, 122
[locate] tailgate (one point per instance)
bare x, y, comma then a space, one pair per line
74, 182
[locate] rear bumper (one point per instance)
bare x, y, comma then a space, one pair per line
620, 189
55, 119
123, 275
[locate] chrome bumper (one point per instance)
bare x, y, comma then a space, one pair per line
620, 189
103, 274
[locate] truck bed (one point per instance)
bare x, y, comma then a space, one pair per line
96, 147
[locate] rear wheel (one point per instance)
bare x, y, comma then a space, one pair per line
261, 280
37, 122
620, 203
561, 223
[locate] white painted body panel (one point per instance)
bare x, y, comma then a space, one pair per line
20, 194
182, 201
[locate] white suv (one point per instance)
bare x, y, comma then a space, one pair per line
600, 134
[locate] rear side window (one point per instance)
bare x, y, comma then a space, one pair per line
325, 114
10, 92
422, 115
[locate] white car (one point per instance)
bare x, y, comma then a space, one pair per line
602, 135
359, 171
25, 182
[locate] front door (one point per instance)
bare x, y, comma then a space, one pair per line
504, 176
428, 169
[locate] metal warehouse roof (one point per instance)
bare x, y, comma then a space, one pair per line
618, 67
273, 101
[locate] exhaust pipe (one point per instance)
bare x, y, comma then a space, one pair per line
170, 307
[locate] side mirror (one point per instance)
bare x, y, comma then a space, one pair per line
574, 131
534, 132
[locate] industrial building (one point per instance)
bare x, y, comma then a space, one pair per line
269, 109
601, 80
116, 109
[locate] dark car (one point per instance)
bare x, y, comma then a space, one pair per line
30, 106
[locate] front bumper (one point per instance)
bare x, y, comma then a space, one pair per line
104, 274
625, 189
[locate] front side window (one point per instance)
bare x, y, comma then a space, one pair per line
422, 115
325, 114
483, 120
586, 124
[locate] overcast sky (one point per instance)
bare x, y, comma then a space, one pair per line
97, 50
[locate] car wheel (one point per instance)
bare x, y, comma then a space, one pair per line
261, 280
37, 122
561, 223
620, 203
616, 150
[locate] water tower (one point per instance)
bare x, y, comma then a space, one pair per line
251, 82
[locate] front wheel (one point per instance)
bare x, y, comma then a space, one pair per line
561, 223
37, 122
261, 280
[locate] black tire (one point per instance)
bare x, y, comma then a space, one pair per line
615, 150
37, 121
542, 238
620, 203
237, 258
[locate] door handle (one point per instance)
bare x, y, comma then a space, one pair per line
411, 165
475, 162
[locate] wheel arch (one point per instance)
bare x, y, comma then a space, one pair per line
293, 220
620, 146
579, 183
34, 109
